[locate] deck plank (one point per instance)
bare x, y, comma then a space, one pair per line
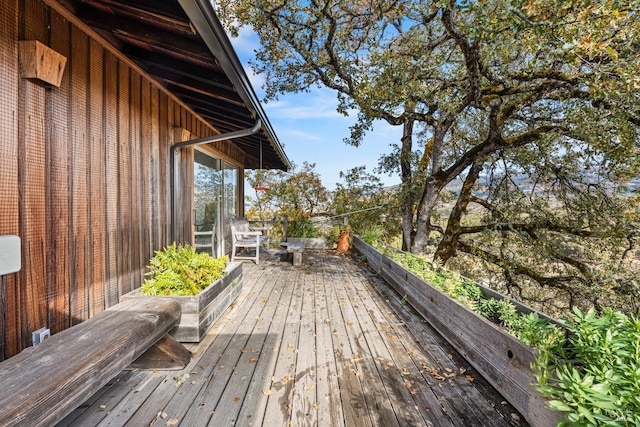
257, 394
330, 410
323, 344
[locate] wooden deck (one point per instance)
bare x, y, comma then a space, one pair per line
323, 344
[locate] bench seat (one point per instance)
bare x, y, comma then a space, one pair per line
296, 249
44, 383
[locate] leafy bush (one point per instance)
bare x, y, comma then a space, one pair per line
371, 235
594, 374
336, 231
181, 271
303, 228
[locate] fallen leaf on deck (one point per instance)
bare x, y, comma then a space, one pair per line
266, 392
314, 406
436, 375
470, 378
253, 360
308, 387
173, 422
274, 380
236, 399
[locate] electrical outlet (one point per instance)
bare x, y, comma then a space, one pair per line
40, 335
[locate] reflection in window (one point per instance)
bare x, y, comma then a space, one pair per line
207, 188
230, 205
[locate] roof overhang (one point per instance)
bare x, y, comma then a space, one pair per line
182, 46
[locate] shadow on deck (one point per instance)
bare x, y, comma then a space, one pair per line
324, 344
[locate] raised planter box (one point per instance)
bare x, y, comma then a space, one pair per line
499, 357
312, 242
200, 312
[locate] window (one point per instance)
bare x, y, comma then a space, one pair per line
216, 195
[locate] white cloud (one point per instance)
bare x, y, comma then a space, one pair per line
318, 104
300, 135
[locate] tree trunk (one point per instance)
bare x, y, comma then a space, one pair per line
407, 187
448, 245
434, 184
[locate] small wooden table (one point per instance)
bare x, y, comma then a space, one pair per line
296, 249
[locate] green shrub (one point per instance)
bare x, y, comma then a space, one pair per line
181, 271
372, 234
594, 374
336, 231
303, 228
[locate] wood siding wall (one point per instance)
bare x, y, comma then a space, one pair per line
84, 174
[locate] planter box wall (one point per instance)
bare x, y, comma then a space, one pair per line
200, 312
312, 242
500, 358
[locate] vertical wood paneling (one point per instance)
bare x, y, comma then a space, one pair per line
163, 164
79, 208
112, 251
31, 173
31, 290
184, 180
136, 180
84, 178
155, 224
124, 181
58, 187
146, 181
96, 178
9, 155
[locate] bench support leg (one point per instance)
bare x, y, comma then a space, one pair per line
166, 354
297, 258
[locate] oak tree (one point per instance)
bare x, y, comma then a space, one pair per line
525, 110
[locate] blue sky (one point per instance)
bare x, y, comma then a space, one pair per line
311, 129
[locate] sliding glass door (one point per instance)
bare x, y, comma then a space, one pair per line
216, 194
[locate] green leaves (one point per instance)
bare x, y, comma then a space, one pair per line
528, 328
542, 94
181, 271
595, 376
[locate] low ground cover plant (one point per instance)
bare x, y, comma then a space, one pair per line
180, 270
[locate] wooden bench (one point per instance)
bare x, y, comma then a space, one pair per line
296, 249
242, 236
44, 383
